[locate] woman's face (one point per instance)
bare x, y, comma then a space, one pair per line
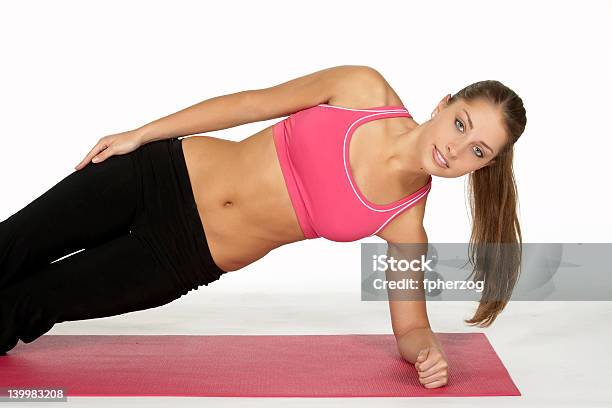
468, 136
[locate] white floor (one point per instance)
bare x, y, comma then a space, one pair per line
556, 352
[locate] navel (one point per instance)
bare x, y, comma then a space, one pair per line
228, 204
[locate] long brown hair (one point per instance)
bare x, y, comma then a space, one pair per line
495, 247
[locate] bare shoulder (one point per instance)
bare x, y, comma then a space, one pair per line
366, 87
406, 227
353, 86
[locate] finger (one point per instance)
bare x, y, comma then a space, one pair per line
426, 371
436, 384
428, 366
432, 359
437, 369
433, 378
100, 148
422, 356
101, 145
84, 161
103, 155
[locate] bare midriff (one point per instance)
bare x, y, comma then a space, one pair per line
241, 196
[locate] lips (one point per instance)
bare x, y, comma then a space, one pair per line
439, 158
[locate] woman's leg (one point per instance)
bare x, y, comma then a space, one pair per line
116, 277
85, 209
139, 225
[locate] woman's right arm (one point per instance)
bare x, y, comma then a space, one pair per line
416, 341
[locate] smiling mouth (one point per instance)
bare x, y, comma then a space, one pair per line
438, 158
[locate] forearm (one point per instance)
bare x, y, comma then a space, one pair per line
220, 112
410, 343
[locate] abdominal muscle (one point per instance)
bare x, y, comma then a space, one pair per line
241, 196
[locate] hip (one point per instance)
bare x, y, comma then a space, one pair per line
167, 218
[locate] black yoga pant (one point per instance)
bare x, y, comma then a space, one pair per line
144, 245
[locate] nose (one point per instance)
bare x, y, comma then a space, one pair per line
453, 150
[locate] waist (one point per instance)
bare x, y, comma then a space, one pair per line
167, 218
240, 196
292, 182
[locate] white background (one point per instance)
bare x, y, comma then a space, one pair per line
73, 72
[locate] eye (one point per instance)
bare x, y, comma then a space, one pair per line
461, 123
479, 152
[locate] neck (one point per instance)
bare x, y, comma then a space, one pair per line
405, 155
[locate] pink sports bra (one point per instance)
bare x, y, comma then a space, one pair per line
313, 151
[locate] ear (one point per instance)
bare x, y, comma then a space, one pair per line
489, 163
441, 105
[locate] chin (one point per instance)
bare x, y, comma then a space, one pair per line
432, 169
437, 171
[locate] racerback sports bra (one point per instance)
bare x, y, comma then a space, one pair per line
313, 151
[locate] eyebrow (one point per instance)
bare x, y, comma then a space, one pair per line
472, 128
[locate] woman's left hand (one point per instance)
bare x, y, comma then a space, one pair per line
432, 367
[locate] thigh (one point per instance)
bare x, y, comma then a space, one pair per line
117, 277
86, 208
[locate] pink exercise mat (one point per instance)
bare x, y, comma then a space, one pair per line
356, 365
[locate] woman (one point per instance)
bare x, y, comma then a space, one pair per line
159, 216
